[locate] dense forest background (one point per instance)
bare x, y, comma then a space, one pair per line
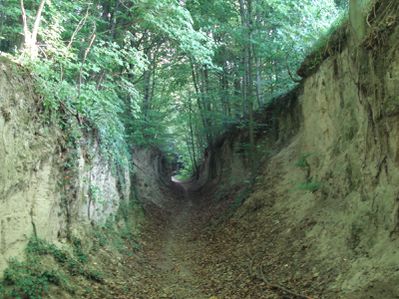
164, 73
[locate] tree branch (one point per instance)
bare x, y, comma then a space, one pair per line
79, 27
38, 19
93, 37
24, 20
289, 71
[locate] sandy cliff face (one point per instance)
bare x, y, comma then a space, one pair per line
33, 195
329, 183
151, 177
350, 136
350, 130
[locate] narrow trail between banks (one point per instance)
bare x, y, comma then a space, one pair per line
182, 258
185, 255
170, 257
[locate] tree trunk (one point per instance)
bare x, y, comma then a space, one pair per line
192, 141
30, 37
250, 91
246, 21
224, 97
259, 91
198, 93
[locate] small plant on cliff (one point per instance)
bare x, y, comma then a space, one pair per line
304, 164
74, 264
311, 186
33, 277
78, 250
28, 280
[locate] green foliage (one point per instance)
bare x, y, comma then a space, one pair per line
175, 22
329, 43
38, 247
342, 4
116, 237
78, 251
164, 73
100, 238
28, 280
75, 264
33, 277
96, 194
303, 161
121, 233
311, 186
10, 28
184, 174
98, 110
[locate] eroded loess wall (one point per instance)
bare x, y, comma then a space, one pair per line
152, 177
35, 190
329, 182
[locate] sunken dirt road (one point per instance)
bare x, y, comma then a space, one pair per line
188, 252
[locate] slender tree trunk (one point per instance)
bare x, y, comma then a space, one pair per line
147, 84
224, 97
237, 94
246, 20
250, 90
114, 20
30, 37
192, 140
198, 93
203, 99
245, 59
208, 104
259, 83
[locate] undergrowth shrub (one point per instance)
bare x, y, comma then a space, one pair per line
78, 250
86, 105
118, 235
33, 277
28, 280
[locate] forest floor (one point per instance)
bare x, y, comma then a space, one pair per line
184, 256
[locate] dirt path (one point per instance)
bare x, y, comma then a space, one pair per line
182, 256
178, 280
170, 270
182, 260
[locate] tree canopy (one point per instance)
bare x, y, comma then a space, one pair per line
165, 73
